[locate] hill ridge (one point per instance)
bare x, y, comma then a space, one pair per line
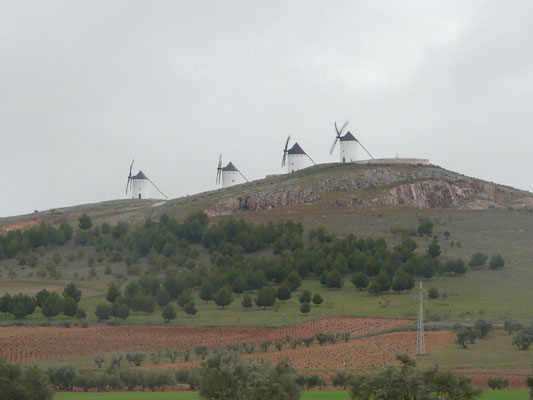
362, 186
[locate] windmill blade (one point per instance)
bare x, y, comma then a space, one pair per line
131, 166
158, 189
344, 126
285, 152
128, 184
244, 177
339, 133
219, 168
310, 158
365, 149
334, 143
287, 143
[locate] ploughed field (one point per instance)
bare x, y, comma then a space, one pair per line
40, 343
367, 353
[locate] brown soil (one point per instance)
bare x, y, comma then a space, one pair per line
368, 353
39, 343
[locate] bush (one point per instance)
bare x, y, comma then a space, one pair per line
85, 222
135, 358
497, 382
305, 308
190, 308
103, 311
284, 292
317, 299
434, 249
522, 341
360, 280
483, 327
201, 351
305, 297
225, 376
478, 259
266, 297
433, 293
246, 302
334, 280
223, 297
496, 261
425, 227
412, 383
169, 313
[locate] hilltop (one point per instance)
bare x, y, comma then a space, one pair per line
354, 187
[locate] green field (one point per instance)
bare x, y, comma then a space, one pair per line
314, 395
494, 352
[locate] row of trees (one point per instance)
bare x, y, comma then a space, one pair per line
23, 241
224, 376
50, 303
466, 335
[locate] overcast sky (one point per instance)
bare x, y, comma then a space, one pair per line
85, 86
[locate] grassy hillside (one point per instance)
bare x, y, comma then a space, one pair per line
491, 294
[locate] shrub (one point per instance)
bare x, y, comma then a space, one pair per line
305, 308
246, 301
135, 358
223, 297
201, 351
433, 293
266, 297
360, 280
317, 299
478, 259
425, 227
305, 297
103, 311
284, 292
496, 261
497, 382
169, 313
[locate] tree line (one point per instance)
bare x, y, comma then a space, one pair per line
51, 304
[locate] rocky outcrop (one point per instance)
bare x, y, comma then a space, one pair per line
263, 201
441, 194
383, 186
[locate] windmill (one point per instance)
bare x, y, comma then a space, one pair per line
348, 145
139, 185
229, 175
338, 136
295, 157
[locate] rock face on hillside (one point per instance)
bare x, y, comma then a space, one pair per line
377, 187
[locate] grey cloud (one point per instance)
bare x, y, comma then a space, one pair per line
86, 86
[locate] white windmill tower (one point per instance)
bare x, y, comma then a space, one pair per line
347, 144
139, 185
295, 157
229, 175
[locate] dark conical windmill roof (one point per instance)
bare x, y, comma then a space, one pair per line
296, 149
140, 175
348, 136
230, 167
